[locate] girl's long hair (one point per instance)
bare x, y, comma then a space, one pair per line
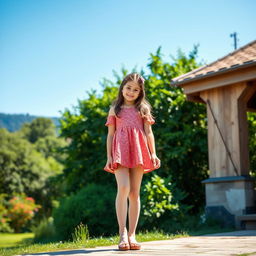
141, 103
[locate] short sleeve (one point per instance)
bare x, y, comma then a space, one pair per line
111, 120
149, 120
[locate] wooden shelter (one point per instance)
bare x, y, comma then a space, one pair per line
228, 87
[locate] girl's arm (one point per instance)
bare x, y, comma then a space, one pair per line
150, 138
151, 143
111, 131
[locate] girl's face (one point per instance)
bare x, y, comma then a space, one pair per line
131, 91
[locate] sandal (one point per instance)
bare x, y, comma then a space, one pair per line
134, 246
123, 246
123, 243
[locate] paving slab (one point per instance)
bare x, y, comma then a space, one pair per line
221, 244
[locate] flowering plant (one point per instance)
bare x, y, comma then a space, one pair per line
21, 209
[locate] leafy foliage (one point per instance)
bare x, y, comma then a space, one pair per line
81, 234
30, 168
93, 206
4, 220
158, 198
21, 210
44, 231
252, 142
162, 206
23, 169
38, 128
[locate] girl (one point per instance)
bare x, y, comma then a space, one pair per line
130, 152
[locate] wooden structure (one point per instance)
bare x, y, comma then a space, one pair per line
228, 88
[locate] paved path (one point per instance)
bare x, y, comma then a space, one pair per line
222, 244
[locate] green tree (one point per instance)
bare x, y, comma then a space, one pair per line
39, 128
23, 169
31, 168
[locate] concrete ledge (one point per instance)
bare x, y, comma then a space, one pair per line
228, 179
247, 217
247, 221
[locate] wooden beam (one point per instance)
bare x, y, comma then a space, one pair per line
242, 75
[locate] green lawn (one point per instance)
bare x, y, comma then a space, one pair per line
11, 240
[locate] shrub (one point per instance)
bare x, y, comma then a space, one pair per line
44, 231
80, 234
162, 207
20, 211
4, 220
93, 205
157, 198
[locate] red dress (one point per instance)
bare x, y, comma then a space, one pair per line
129, 145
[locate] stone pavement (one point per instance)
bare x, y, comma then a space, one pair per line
222, 244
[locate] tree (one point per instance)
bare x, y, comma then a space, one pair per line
23, 169
39, 128
31, 168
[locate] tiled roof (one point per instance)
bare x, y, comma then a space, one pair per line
236, 59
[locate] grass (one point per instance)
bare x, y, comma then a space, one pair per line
90, 243
17, 245
247, 254
11, 240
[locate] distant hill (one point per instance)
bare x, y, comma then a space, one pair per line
13, 122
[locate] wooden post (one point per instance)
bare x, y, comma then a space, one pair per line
229, 108
230, 189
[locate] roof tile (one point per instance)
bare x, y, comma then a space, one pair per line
239, 57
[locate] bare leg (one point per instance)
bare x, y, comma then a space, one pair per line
123, 188
136, 175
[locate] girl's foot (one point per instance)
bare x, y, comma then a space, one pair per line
134, 245
123, 242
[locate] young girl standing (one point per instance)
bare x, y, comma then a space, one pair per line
130, 152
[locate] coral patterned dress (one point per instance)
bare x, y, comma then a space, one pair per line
129, 144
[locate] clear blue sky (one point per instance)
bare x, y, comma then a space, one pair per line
53, 51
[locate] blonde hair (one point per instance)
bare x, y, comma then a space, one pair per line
141, 103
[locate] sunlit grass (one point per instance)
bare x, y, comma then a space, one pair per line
10, 240
93, 242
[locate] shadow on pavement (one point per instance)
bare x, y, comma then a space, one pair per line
73, 252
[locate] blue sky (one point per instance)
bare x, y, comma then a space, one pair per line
53, 51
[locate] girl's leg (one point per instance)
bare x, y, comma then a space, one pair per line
123, 188
136, 175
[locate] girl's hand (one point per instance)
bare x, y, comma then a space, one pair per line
109, 163
156, 161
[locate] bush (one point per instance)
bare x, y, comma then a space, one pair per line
80, 234
93, 205
44, 231
4, 220
21, 210
162, 207
157, 198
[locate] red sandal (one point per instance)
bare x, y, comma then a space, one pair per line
134, 246
124, 246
